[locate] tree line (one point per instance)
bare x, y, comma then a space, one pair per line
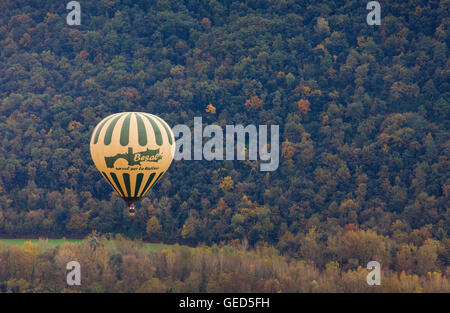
121, 265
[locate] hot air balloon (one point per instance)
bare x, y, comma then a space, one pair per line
132, 151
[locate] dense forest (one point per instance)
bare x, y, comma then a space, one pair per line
363, 114
122, 265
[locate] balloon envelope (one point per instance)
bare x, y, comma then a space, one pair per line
132, 150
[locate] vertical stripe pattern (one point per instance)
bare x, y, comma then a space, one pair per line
132, 150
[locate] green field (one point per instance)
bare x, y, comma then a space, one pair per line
52, 243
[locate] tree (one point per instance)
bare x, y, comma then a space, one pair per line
210, 109
227, 184
78, 224
304, 106
322, 26
154, 228
254, 103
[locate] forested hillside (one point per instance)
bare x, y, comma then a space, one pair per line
363, 114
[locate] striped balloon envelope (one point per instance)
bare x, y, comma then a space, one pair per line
132, 150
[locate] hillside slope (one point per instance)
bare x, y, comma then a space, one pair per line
363, 114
